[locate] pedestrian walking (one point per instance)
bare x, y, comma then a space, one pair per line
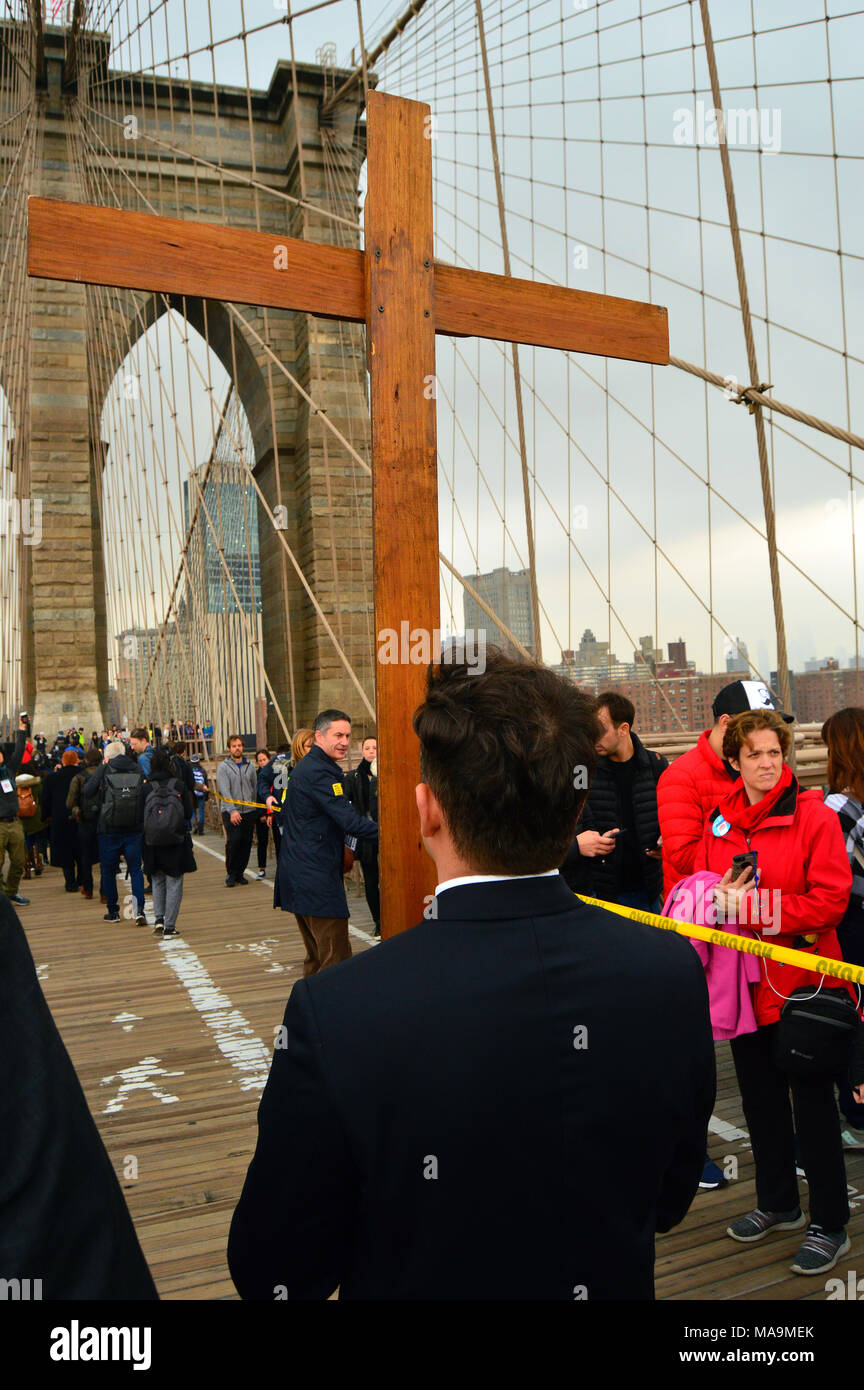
119, 784
63, 829
84, 810
167, 849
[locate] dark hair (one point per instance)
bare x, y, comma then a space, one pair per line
621, 710
843, 733
509, 754
178, 747
284, 748
328, 717
230, 739
140, 733
92, 757
161, 761
262, 750
750, 721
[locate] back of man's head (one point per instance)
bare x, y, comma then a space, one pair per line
114, 750
509, 755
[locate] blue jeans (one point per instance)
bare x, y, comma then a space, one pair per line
112, 845
200, 804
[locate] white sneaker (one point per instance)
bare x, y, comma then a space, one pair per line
262, 873
852, 1138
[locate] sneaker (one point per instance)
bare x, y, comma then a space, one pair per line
170, 931
230, 881
111, 917
242, 881
712, 1177
140, 920
262, 873
158, 926
820, 1251
852, 1138
17, 898
758, 1223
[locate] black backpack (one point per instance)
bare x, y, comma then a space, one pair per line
164, 816
123, 804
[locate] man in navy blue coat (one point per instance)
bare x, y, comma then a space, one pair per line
316, 818
442, 1118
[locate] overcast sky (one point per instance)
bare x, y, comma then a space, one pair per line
576, 215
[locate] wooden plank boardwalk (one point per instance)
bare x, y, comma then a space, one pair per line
170, 1040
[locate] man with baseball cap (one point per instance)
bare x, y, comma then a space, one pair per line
690, 787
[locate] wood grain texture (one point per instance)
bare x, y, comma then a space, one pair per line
473, 303
401, 358
135, 250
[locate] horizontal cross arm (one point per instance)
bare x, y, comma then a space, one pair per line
136, 250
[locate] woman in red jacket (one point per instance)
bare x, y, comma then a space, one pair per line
803, 882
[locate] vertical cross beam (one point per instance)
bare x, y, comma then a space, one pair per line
400, 325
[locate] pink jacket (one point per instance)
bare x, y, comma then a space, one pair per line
728, 974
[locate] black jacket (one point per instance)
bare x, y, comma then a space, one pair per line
95, 786
9, 769
170, 859
471, 1148
361, 788
603, 878
62, 1215
316, 817
63, 829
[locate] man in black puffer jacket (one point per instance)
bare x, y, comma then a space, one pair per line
616, 854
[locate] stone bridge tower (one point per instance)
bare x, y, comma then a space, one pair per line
326, 511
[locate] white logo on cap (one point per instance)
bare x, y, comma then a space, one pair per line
758, 695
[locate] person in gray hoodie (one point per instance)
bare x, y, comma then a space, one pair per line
237, 785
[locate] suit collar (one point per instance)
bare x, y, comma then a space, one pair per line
505, 898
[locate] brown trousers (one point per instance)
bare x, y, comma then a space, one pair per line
326, 942
12, 842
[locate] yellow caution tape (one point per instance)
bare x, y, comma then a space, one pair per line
232, 801
817, 965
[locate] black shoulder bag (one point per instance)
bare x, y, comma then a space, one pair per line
816, 1032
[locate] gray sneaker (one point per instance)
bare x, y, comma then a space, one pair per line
820, 1251
758, 1223
852, 1138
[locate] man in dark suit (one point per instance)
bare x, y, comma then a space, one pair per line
441, 1119
316, 818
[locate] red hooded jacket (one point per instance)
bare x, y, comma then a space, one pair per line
686, 792
801, 852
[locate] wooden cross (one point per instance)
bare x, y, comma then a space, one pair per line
404, 298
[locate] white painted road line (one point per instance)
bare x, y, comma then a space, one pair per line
233, 1035
726, 1131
